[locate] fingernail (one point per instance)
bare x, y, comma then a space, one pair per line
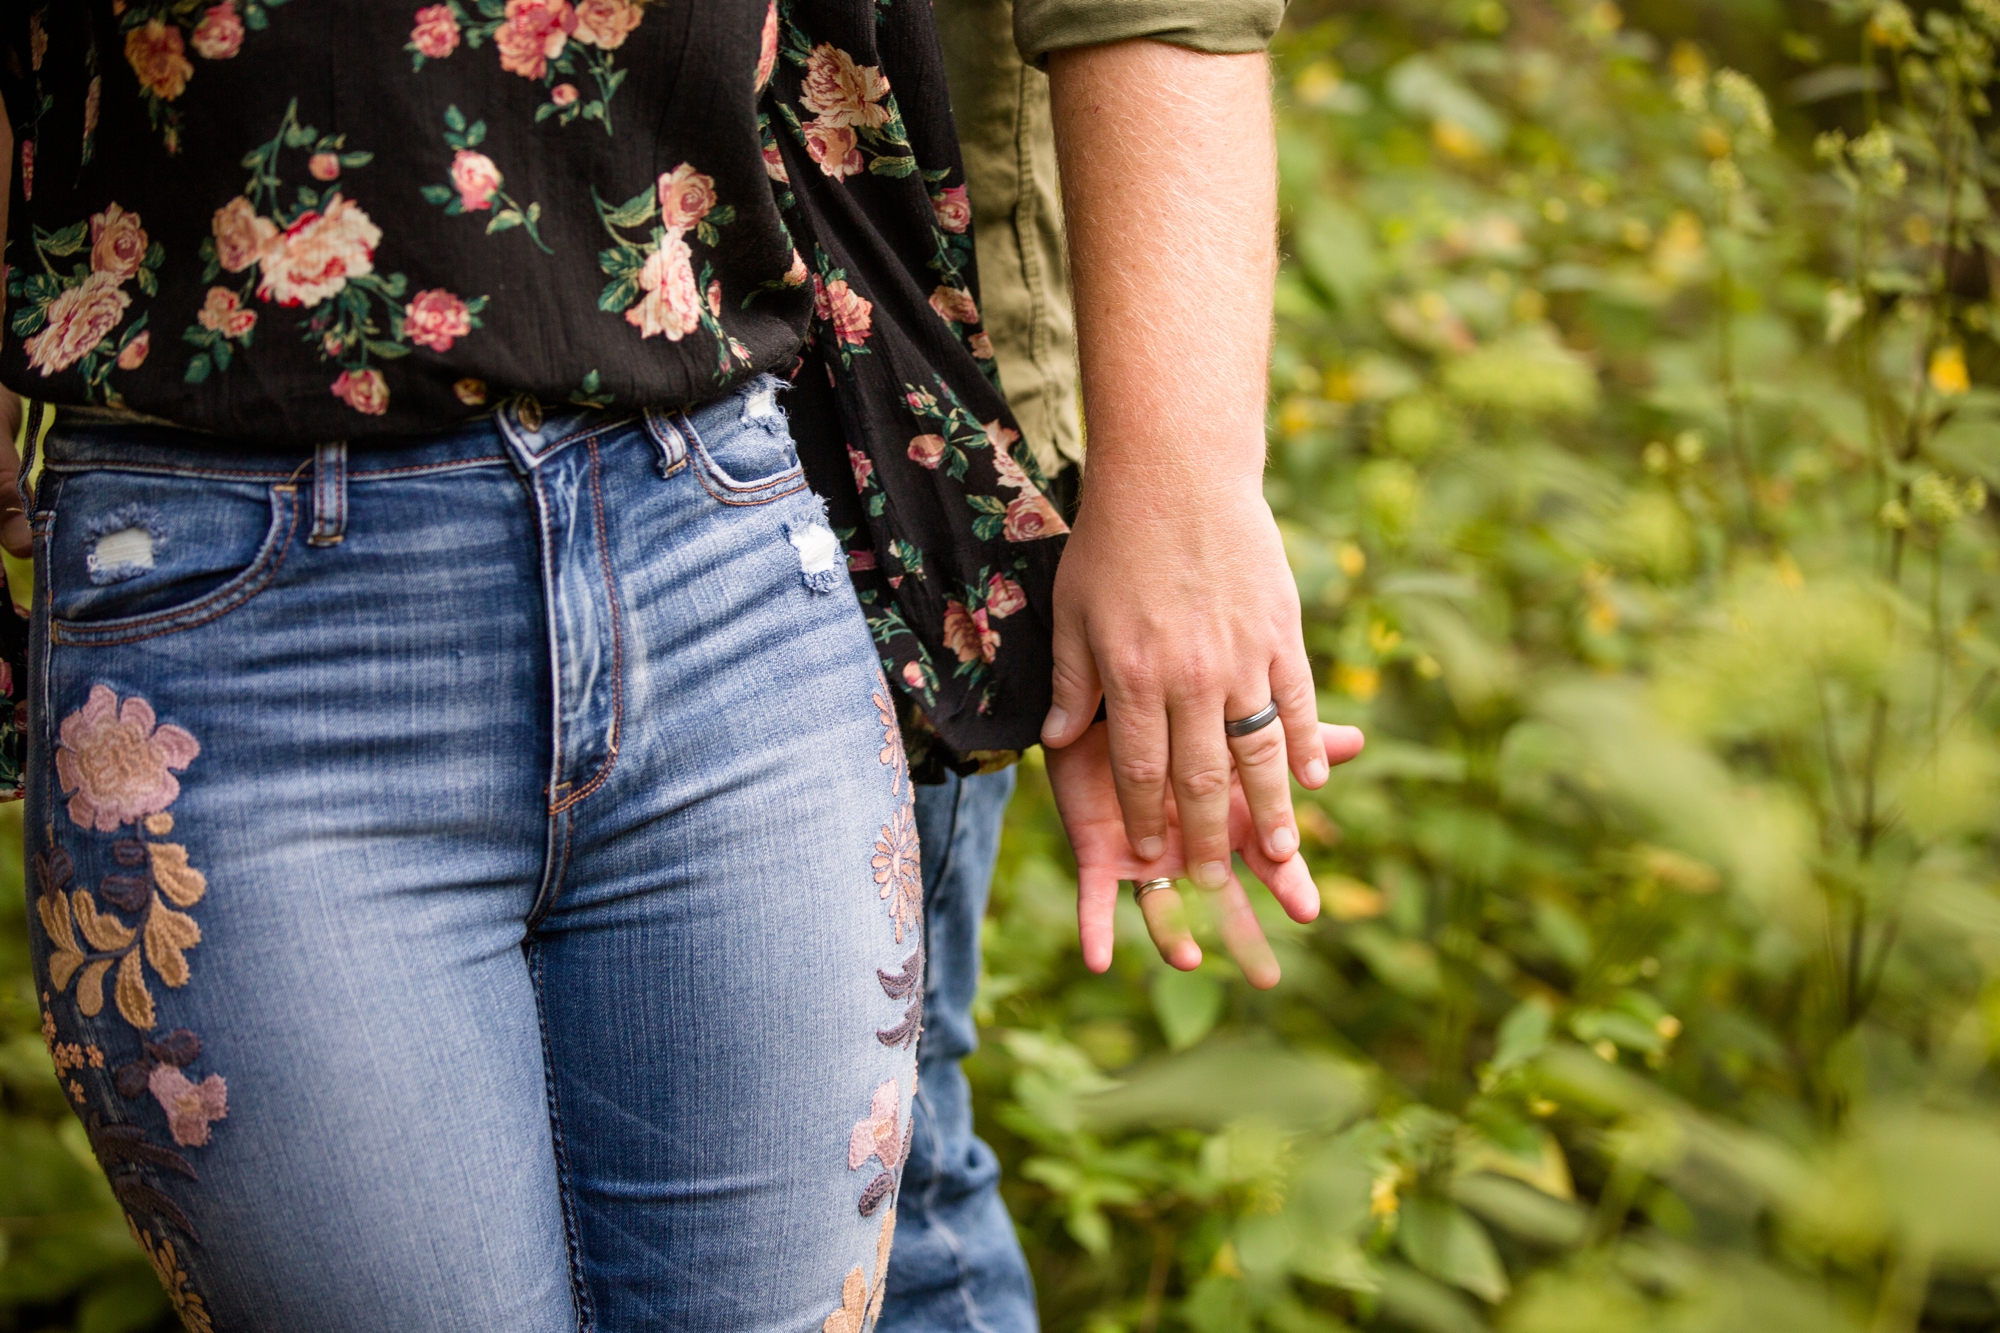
1315, 772
1053, 725
1283, 842
1151, 849
1211, 874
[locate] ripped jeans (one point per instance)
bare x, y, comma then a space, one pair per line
474, 880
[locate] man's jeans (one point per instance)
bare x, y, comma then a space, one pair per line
958, 1266
475, 884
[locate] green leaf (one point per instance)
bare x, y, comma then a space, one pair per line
640, 209
308, 197
545, 110
1523, 1035
505, 219
356, 159
897, 167
388, 351
439, 194
221, 353
65, 242
475, 135
198, 369
1187, 1005
1443, 1240
619, 295
454, 118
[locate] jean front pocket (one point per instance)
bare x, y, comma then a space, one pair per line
133, 555
745, 454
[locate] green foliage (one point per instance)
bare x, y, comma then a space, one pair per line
1633, 442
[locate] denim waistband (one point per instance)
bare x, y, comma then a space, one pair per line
519, 430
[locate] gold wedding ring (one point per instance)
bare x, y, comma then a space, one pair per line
1140, 891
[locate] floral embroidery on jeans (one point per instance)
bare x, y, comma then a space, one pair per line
116, 762
860, 1300
892, 739
904, 985
166, 1262
883, 1137
899, 871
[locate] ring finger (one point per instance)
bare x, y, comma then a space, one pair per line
1267, 782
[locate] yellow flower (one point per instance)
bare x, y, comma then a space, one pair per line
1948, 373
1360, 682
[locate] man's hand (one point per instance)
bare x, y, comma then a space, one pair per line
14, 533
1087, 797
1174, 601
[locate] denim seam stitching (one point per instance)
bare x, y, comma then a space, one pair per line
713, 469
242, 474
565, 1195
569, 800
233, 595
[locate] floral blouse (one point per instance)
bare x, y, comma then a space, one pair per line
296, 220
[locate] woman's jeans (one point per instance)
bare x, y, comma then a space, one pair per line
958, 1266
475, 882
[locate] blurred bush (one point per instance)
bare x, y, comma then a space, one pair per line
1633, 440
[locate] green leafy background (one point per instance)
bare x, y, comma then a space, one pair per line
1631, 437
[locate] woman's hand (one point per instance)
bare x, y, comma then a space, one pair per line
1086, 796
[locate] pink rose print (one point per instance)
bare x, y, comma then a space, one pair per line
219, 35
796, 275
954, 210
605, 23
533, 33
363, 390
840, 92
475, 178
1004, 597
318, 253
863, 465
880, 1135
858, 561
913, 676
927, 450
93, 100
774, 165
471, 392
767, 48
241, 237
191, 1107
982, 346
436, 32
954, 305
133, 354
850, 313
715, 299
118, 761
563, 94
686, 196
79, 319
224, 313
435, 319
832, 146
324, 166
154, 51
671, 305
1030, 517
117, 243
967, 633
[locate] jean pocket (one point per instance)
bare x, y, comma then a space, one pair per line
133, 555
748, 456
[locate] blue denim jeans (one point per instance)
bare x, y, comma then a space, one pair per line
958, 1267
475, 883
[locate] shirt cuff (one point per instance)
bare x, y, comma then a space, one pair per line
1220, 27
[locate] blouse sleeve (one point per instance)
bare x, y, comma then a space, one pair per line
1222, 27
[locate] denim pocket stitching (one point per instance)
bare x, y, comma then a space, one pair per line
238, 591
699, 446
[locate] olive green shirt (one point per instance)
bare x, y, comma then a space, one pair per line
993, 52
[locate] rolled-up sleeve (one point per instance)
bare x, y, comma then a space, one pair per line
1223, 27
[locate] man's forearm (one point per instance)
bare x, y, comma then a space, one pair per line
1170, 186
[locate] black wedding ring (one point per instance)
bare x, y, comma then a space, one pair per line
1256, 722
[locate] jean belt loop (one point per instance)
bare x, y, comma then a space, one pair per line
329, 494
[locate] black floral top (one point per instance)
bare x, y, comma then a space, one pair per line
301, 220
